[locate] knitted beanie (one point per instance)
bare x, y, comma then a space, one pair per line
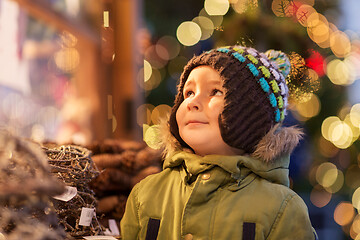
255, 93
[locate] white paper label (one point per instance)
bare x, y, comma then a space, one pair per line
99, 238
86, 216
69, 194
113, 227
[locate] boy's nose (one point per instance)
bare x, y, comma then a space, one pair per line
194, 104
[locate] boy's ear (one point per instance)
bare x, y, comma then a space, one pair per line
278, 141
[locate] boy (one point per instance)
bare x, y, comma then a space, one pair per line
226, 168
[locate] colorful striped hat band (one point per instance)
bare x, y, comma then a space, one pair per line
271, 87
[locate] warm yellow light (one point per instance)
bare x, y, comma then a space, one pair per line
327, 127
216, 19
303, 13
356, 224
338, 72
344, 213
355, 115
188, 33
147, 70
106, 19
326, 174
216, 7
151, 136
240, 6
342, 135
67, 59
337, 184
309, 108
160, 112
206, 25
152, 82
355, 129
356, 199
340, 44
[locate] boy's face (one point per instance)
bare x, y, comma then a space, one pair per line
197, 116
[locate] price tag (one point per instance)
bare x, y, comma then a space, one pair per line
69, 194
86, 216
113, 227
99, 238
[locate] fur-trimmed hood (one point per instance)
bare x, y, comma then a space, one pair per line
277, 142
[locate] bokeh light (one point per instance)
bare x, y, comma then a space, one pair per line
143, 114
327, 126
67, 59
352, 179
240, 6
151, 83
160, 112
340, 44
151, 136
147, 70
216, 7
151, 55
171, 45
216, 19
344, 213
338, 72
303, 14
188, 33
326, 148
356, 199
310, 107
326, 174
319, 197
206, 25
355, 227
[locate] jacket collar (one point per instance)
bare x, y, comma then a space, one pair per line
238, 167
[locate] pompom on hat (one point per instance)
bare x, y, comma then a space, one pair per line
255, 99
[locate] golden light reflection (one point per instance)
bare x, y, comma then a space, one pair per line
106, 18
216, 19
355, 227
147, 70
216, 7
240, 6
338, 72
356, 199
342, 135
354, 129
151, 136
340, 44
339, 181
344, 213
68, 40
328, 125
153, 82
67, 59
326, 174
38, 133
206, 25
303, 14
143, 114
171, 44
355, 115
310, 107
160, 112
319, 197
188, 33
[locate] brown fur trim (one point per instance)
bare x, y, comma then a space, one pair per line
169, 144
278, 141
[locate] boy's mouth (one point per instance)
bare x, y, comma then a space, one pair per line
195, 122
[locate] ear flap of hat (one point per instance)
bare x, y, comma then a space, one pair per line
278, 141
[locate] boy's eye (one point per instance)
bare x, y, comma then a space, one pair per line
216, 92
188, 93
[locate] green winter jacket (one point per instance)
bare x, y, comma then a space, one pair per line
216, 197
